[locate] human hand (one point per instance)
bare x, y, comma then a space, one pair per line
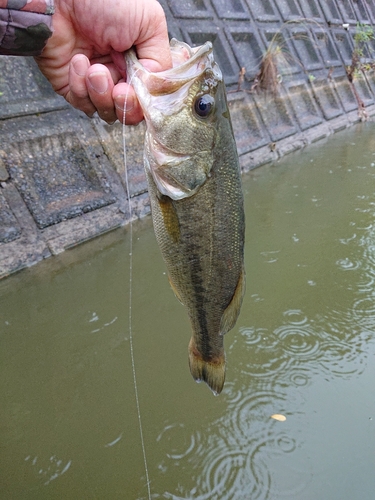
84, 58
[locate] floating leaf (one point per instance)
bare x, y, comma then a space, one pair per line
279, 417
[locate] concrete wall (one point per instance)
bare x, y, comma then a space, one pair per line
62, 175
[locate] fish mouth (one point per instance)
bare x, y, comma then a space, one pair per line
188, 64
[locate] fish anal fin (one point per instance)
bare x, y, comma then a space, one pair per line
231, 313
210, 371
170, 217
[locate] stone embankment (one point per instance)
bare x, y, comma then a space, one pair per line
62, 174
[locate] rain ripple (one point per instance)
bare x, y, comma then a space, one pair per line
298, 342
364, 312
253, 408
296, 350
348, 265
345, 336
236, 473
232, 455
278, 353
172, 433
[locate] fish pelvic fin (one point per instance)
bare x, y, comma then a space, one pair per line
229, 318
173, 286
212, 371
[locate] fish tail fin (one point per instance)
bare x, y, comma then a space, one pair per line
212, 372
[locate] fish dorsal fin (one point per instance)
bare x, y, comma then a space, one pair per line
231, 313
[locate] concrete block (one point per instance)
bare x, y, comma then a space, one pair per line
112, 138
276, 115
370, 78
364, 90
368, 10
338, 124
289, 9
3, 172
327, 48
199, 32
327, 99
361, 12
312, 10
347, 12
191, 9
344, 45
9, 227
354, 117
56, 178
33, 95
68, 233
257, 158
317, 133
248, 49
371, 110
264, 11
290, 144
28, 247
345, 92
331, 12
248, 128
304, 105
305, 48
231, 9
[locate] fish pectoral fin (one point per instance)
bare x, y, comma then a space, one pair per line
170, 217
175, 290
229, 318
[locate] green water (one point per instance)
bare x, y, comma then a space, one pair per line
304, 347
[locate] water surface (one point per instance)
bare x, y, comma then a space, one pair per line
303, 347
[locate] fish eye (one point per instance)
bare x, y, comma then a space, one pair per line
203, 105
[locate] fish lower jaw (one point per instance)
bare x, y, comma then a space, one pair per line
210, 371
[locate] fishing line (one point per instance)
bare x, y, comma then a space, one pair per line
131, 295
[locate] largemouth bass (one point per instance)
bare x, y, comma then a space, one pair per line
193, 175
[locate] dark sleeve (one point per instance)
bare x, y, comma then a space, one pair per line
25, 27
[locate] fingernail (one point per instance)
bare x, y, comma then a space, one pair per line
80, 66
122, 100
99, 82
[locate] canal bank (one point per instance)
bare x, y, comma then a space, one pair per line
62, 174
